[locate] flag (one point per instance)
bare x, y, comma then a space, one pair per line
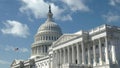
16, 49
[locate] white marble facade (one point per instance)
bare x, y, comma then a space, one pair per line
97, 48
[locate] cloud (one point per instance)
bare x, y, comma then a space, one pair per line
75, 5
15, 28
24, 50
67, 17
12, 48
114, 2
110, 17
39, 8
4, 62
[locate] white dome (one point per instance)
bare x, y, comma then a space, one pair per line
47, 33
49, 26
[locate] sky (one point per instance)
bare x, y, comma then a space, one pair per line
20, 20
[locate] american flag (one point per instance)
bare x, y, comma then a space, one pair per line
16, 49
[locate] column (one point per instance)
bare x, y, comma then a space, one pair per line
38, 50
60, 58
83, 53
57, 58
106, 51
54, 58
113, 54
89, 58
78, 53
32, 50
73, 54
42, 49
64, 55
35, 50
100, 52
68, 49
94, 54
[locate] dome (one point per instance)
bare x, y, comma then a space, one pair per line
47, 33
49, 26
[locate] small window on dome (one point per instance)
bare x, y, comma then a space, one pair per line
52, 38
43, 37
49, 38
46, 37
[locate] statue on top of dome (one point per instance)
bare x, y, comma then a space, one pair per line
49, 14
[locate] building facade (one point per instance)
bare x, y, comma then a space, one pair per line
97, 48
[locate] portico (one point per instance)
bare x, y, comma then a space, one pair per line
81, 52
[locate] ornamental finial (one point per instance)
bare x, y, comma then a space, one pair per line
49, 8
49, 14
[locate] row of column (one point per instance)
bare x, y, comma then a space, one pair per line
39, 49
76, 54
70, 54
100, 52
46, 38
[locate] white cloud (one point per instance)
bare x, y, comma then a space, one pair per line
114, 2
39, 8
15, 28
110, 17
4, 62
67, 17
24, 50
75, 5
12, 48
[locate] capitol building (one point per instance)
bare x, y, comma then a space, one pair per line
96, 48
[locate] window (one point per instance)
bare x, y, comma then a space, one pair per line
91, 48
46, 37
103, 45
49, 38
85, 49
96, 46
52, 38
45, 48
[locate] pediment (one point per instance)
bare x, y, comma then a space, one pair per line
15, 62
64, 38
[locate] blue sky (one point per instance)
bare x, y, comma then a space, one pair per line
20, 19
